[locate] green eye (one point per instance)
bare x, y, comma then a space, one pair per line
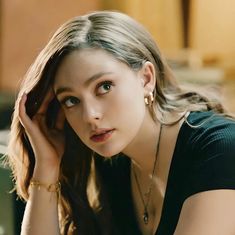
70, 101
104, 87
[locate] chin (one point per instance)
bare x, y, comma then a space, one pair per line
107, 153
109, 150
107, 156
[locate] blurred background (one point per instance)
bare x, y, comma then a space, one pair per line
196, 37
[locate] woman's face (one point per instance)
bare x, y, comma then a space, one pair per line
102, 98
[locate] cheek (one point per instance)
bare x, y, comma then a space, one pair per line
130, 108
127, 117
75, 122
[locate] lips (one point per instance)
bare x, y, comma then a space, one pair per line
102, 135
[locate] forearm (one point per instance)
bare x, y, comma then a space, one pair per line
41, 212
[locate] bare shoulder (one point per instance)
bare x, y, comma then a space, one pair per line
210, 212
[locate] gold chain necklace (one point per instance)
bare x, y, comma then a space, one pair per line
148, 193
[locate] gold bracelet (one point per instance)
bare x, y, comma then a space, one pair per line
52, 188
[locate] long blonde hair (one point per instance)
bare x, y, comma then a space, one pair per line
130, 43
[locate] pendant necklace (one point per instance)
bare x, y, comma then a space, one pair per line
148, 193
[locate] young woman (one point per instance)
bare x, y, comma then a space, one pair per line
103, 141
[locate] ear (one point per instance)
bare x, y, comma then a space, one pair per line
148, 78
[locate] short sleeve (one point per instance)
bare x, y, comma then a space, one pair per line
213, 157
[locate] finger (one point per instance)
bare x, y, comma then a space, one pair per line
25, 120
48, 98
59, 125
23, 117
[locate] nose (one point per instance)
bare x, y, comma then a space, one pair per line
91, 112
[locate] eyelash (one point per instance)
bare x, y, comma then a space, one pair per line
67, 98
77, 101
109, 83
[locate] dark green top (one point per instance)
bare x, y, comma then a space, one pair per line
203, 159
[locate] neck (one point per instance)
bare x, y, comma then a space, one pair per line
142, 150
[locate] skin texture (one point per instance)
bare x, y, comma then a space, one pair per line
208, 213
97, 91
95, 105
91, 105
47, 160
114, 89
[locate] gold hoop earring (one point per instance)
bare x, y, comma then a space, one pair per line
149, 99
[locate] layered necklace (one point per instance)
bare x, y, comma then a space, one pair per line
148, 193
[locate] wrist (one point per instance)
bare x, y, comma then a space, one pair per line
51, 188
46, 174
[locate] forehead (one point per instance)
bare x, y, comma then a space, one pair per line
82, 64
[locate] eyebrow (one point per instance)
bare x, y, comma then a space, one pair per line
86, 83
